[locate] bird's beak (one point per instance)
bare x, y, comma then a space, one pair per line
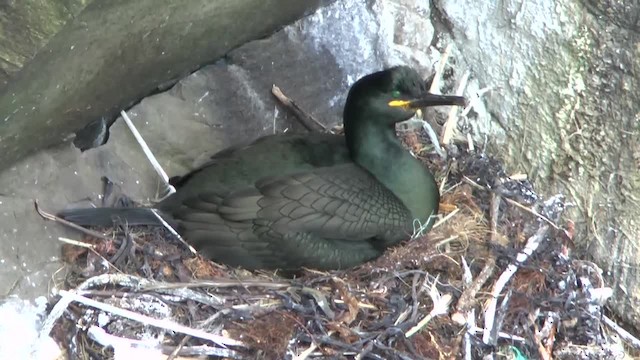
428, 100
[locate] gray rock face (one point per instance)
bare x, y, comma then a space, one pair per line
26, 27
116, 52
562, 108
564, 111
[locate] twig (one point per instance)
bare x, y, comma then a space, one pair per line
538, 215
305, 354
415, 292
547, 332
203, 326
219, 283
467, 299
435, 83
523, 255
352, 303
467, 279
133, 282
49, 216
450, 125
308, 121
434, 138
515, 203
320, 299
435, 89
494, 213
160, 323
501, 334
173, 231
470, 146
119, 344
624, 334
149, 154
91, 248
76, 243
444, 219
440, 307
474, 100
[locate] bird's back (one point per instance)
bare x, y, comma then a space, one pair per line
242, 166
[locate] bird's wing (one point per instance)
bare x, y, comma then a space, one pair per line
341, 202
227, 241
322, 218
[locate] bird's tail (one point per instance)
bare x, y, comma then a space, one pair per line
107, 216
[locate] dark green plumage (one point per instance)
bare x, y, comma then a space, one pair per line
314, 200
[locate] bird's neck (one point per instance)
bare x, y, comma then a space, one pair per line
378, 150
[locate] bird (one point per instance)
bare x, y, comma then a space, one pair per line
317, 200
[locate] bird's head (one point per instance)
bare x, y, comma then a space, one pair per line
391, 96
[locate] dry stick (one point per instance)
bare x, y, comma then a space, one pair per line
467, 299
444, 219
475, 99
515, 203
49, 216
465, 313
501, 334
305, 354
489, 315
173, 231
435, 84
61, 306
539, 216
308, 121
624, 334
91, 248
203, 326
435, 89
125, 280
471, 147
470, 322
440, 307
170, 189
76, 243
146, 320
105, 339
149, 154
220, 283
177, 289
494, 213
452, 120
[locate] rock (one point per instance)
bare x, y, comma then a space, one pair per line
562, 108
26, 28
114, 53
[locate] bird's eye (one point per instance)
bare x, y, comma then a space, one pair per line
395, 94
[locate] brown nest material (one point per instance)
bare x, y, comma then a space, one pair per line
495, 277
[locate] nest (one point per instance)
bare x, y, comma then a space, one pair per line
499, 257
496, 277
